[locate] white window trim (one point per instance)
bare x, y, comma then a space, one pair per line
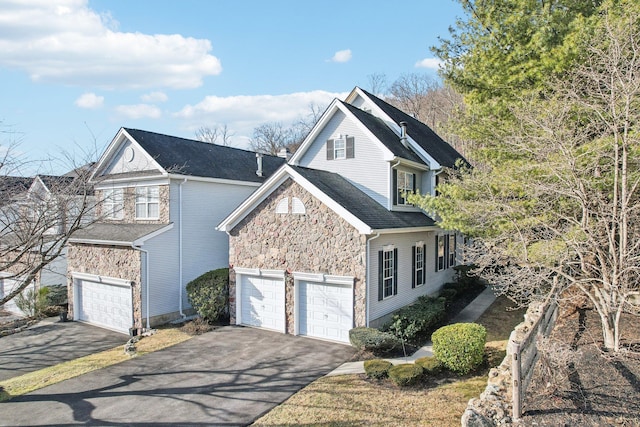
404, 190
113, 204
147, 201
420, 246
444, 253
387, 250
343, 141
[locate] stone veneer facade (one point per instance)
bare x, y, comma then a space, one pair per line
318, 241
129, 208
110, 261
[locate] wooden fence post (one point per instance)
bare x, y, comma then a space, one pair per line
516, 373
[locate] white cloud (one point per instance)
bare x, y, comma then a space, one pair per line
244, 113
154, 97
431, 63
139, 111
66, 42
342, 56
90, 100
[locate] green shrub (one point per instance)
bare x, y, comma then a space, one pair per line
413, 322
430, 364
465, 278
460, 347
209, 294
372, 339
377, 368
57, 295
449, 294
405, 374
32, 302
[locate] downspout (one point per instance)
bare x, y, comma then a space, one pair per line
366, 293
146, 273
180, 249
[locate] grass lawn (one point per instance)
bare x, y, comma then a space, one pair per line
54, 374
353, 400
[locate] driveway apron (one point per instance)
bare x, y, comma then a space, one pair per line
51, 342
229, 376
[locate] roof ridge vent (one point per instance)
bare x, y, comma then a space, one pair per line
403, 134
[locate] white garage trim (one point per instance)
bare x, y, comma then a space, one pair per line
101, 279
303, 283
248, 273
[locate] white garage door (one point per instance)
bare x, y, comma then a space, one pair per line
6, 287
325, 310
262, 302
105, 305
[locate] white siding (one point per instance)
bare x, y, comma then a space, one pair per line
205, 205
368, 170
121, 163
406, 295
55, 273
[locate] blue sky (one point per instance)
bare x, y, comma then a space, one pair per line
72, 72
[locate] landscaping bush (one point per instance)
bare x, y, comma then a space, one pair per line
32, 302
372, 339
405, 374
377, 368
460, 347
430, 364
209, 294
414, 322
465, 279
449, 294
57, 295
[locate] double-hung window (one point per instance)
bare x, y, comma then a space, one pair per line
113, 203
440, 253
445, 251
387, 272
452, 250
340, 148
147, 202
404, 184
419, 253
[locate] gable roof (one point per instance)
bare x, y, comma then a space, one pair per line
422, 134
189, 157
340, 195
118, 234
384, 133
13, 185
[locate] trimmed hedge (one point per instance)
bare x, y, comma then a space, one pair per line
415, 321
430, 364
209, 294
460, 347
405, 374
377, 368
372, 339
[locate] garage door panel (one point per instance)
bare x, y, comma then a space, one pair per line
262, 302
105, 305
325, 310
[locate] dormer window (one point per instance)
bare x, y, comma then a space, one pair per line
404, 183
341, 147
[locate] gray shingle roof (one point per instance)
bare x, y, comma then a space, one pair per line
196, 158
359, 204
115, 232
384, 133
11, 186
437, 148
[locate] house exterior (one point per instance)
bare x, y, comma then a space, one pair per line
159, 198
329, 241
43, 206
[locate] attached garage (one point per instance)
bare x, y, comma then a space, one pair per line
324, 306
103, 301
261, 299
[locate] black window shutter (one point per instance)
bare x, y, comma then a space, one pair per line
424, 264
413, 267
395, 271
395, 187
380, 276
437, 250
330, 152
414, 182
350, 147
446, 251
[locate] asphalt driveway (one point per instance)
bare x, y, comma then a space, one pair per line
229, 376
51, 342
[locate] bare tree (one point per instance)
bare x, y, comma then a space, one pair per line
35, 224
377, 84
220, 135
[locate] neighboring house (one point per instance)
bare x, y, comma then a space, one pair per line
330, 242
35, 212
159, 199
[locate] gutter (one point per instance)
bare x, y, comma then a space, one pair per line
366, 293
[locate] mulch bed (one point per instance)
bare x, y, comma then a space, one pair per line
593, 388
